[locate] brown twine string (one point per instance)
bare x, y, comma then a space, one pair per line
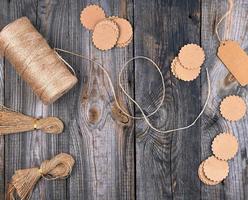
15, 122
144, 116
228, 12
24, 180
35, 61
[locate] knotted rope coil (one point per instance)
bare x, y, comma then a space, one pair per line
35, 61
15, 122
24, 180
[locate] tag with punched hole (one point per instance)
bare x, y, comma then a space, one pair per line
235, 59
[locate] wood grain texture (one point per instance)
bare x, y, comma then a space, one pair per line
166, 163
117, 158
233, 28
2, 161
21, 150
102, 144
52, 22
3, 5
31, 149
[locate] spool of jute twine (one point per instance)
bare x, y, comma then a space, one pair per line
34, 60
24, 180
15, 122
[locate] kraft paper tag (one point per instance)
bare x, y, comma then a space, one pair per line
182, 73
233, 108
225, 146
91, 15
215, 170
105, 34
126, 31
191, 56
235, 59
204, 178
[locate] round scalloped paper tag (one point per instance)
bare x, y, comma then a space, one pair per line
215, 169
173, 67
233, 108
91, 15
105, 35
126, 31
191, 56
183, 73
203, 178
225, 146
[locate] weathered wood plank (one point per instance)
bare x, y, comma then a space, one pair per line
166, 163
2, 188
102, 145
3, 14
30, 149
52, 22
22, 150
234, 28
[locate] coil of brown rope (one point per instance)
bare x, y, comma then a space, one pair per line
24, 180
37, 64
15, 122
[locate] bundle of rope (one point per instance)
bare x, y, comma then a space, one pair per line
35, 61
24, 180
15, 122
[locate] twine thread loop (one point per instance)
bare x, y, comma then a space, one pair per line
23, 181
144, 116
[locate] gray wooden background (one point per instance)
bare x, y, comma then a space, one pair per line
117, 158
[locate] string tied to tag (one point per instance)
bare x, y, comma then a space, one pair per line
228, 12
232, 55
15, 122
24, 180
144, 116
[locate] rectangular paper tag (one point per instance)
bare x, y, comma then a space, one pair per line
235, 59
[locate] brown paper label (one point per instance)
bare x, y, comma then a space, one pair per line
235, 59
